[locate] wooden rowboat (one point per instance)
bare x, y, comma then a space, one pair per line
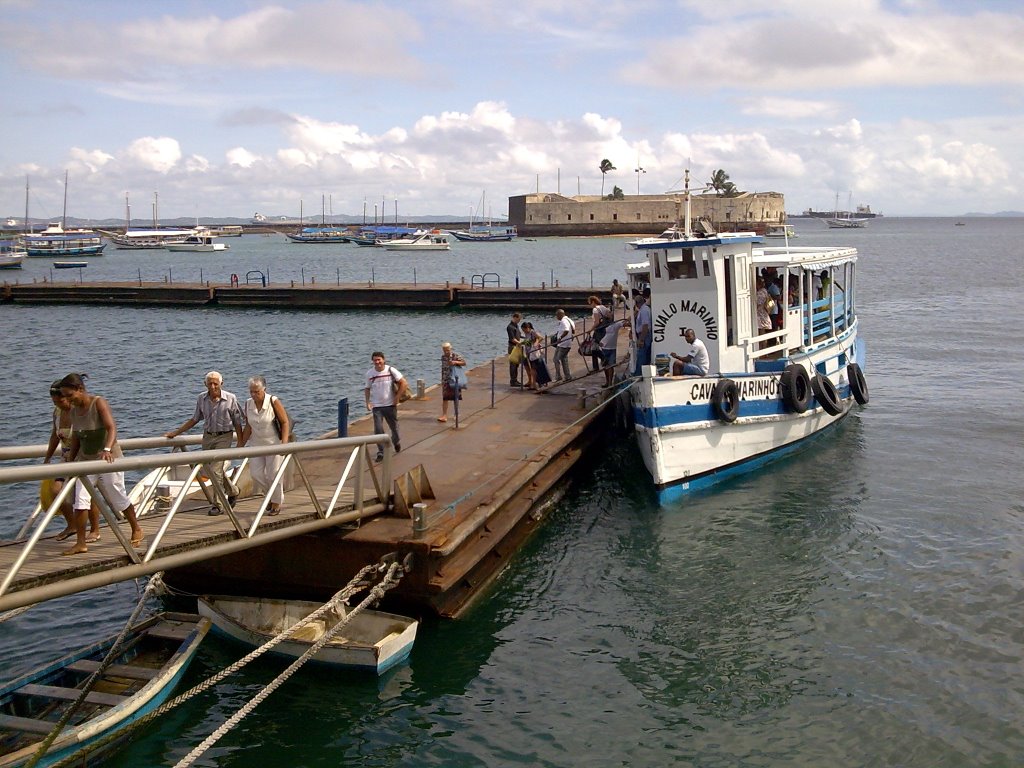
373, 640
155, 656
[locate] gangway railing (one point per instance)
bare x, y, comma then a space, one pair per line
352, 472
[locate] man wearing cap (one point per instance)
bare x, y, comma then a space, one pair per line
642, 331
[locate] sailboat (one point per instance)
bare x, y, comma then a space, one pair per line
321, 234
484, 233
55, 241
844, 219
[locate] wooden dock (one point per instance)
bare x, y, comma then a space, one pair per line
489, 478
483, 484
318, 296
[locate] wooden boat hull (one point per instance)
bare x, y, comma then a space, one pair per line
373, 641
70, 264
157, 654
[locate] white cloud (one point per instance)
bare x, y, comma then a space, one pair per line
155, 154
240, 156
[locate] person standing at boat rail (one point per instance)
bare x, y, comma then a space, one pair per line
94, 437
385, 386
266, 423
222, 417
644, 335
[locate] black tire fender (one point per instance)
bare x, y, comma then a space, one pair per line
725, 400
858, 384
796, 388
827, 395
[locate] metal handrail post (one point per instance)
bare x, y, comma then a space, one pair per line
171, 513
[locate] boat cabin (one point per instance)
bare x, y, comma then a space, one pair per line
709, 284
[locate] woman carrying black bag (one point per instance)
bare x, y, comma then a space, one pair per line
601, 318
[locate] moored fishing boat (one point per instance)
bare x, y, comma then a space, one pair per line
763, 393
12, 254
55, 242
780, 231
423, 240
196, 242
485, 234
156, 654
70, 264
372, 640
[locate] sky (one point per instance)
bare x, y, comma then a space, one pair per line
448, 107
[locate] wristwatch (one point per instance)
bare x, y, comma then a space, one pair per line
105, 450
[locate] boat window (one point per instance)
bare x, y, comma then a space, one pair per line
656, 263
682, 269
707, 264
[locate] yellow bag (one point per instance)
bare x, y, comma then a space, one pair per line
516, 355
47, 492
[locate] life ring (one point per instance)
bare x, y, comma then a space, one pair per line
725, 399
796, 388
827, 395
858, 384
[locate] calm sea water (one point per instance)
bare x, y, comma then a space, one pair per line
856, 604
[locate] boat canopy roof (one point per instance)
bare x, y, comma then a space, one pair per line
806, 257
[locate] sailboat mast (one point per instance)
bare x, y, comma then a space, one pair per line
64, 215
27, 227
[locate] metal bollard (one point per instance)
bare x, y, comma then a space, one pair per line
421, 389
343, 417
581, 395
419, 519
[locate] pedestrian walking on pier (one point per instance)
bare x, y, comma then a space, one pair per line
266, 423
222, 419
449, 390
385, 386
94, 438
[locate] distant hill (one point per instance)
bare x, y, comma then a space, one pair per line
1006, 214
185, 222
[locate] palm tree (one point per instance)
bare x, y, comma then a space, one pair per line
606, 165
720, 181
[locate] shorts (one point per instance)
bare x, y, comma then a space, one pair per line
608, 357
111, 484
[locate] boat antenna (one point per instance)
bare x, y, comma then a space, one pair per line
686, 197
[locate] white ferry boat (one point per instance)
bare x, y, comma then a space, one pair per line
765, 393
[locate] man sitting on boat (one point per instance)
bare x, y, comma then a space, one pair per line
694, 364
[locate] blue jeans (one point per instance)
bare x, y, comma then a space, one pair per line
643, 357
689, 369
388, 413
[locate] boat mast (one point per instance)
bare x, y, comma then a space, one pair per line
687, 230
156, 210
64, 215
27, 227
127, 214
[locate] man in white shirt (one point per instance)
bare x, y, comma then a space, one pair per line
382, 399
563, 343
644, 336
694, 364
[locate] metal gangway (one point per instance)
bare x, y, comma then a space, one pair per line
328, 482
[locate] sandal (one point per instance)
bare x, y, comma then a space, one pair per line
65, 534
272, 512
442, 418
76, 550
91, 538
137, 541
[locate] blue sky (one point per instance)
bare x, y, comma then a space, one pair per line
230, 108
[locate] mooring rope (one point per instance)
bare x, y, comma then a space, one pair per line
15, 612
391, 578
360, 581
112, 654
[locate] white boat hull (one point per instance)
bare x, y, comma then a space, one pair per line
373, 640
686, 447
